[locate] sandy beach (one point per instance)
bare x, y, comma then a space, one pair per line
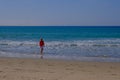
46, 69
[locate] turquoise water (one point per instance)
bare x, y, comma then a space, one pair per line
89, 43
58, 33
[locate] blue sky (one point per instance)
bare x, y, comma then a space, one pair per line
60, 12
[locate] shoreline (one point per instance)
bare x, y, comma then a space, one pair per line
80, 59
52, 69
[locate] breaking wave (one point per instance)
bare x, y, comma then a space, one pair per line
103, 48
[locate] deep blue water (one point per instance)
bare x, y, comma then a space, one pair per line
101, 43
59, 32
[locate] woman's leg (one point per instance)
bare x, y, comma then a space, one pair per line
41, 52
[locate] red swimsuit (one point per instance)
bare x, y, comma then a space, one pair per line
41, 43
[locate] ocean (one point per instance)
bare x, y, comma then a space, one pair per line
84, 43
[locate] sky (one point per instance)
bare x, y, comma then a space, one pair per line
59, 12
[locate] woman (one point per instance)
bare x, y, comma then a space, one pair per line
41, 44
